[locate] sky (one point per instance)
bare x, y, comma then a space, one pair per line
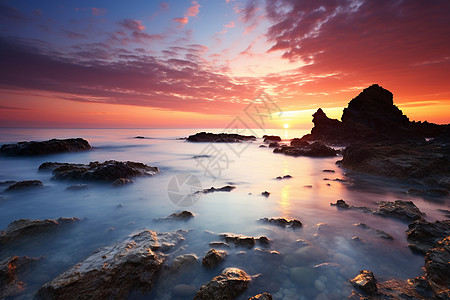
200, 64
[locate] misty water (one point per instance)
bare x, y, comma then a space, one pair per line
111, 214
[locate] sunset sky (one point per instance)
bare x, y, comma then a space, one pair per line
200, 63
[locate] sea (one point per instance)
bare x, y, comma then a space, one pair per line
313, 262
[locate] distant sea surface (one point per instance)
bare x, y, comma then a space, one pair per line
113, 213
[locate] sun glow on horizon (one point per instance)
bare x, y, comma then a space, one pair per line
286, 125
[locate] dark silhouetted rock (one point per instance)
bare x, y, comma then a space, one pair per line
265, 194
328, 171
214, 257
262, 146
271, 138
112, 272
139, 137
244, 241
316, 149
227, 188
24, 185
423, 235
263, 296
45, 147
228, 285
365, 282
296, 142
283, 177
282, 222
11, 271
182, 216
122, 181
374, 231
207, 137
25, 228
108, 171
274, 145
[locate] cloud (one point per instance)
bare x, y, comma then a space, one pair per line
133, 25
182, 21
98, 11
193, 10
9, 13
73, 35
4, 107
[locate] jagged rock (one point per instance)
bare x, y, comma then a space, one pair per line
182, 215
243, 241
122, 181
25, 228
112, 272
283, 222
45, 147
227, 188
24, 185
265, 194
108, 171
423, 235
316, 149
228, 285
271, 138
376, 232
399, 209
263, 296
219, 138
365, 282
11, 271
437, 264
214, 257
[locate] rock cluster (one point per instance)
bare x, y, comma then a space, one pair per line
45, 147
207, 137
24, 185
282, 222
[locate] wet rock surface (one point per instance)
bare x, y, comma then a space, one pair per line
214, 257
24, 185
244, 241
228, 285
437, 265
282, 222
365, 282
423, 235
11, 271
399, 209
108, 171
45, 147
208, 137
25, 228
263, 296
178, 216
227, 188
114, 271
316, 149
374, 231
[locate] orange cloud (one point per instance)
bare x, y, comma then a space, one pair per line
193, 10
98, 11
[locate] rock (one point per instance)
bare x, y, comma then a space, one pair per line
113, 271
316, 149
244, 241
77, 187
274, 145
262, 146
24, 185
365, 282
45, 147
437, 264
374, 231
298, 143
214, 257
184, 261
329, 171
25, 228
227, 188
282, 222
219, 245
302, 243
122, 181
265, 194
11, 271
139, 137
263, 296
108, 171
204, 137
271, 138
429, 192
179, 216
228, 285
7, 182
423, 235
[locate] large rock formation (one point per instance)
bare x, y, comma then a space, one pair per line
11, 271
108, 171
112, 272
370, 117
45, 147
228, 285
219, 137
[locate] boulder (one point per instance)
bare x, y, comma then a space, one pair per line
11, 271
296, 142
316, 149
108, 171
207, 137
228, 285
214, 257
112, 272
25, 228
423, 235
365, 282
265, 194
282, 222
45, 147
24, 185
271, 138
274, 145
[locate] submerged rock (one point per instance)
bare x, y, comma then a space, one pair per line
182, 215
227, 188
108, 171
423, 235
283, 222
112, 272
45, 147
184, 261
374, 231
24, 185
77, 187
244, 241
11, 271
263, 296
316, 149
228, 285
25, 228
122, 181
214, 257
207, 137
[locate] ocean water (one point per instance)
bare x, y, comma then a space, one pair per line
111, 214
